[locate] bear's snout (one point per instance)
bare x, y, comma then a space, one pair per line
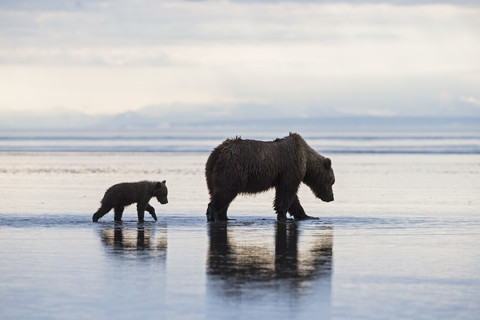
162, 200
328, 198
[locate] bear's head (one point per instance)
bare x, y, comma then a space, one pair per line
160, 192
320, 178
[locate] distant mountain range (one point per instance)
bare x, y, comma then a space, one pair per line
211, 117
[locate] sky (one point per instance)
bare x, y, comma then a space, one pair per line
308, 58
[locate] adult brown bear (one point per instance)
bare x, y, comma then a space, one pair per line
250, 166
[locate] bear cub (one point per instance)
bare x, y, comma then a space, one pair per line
119, 196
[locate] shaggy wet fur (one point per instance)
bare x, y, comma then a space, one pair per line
124, 194
250, 166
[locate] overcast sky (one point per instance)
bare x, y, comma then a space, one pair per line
312, 57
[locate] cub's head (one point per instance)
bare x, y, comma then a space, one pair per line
160, 192
320, 178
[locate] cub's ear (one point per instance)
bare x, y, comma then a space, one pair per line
164, 181
158, 185
327, 163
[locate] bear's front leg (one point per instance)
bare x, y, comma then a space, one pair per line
284, 197
297, 211
141, 212
151, 210
118, 213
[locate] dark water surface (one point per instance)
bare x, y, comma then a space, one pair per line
183, 268
400, 241
178, 267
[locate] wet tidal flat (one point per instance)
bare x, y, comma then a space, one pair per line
399, 241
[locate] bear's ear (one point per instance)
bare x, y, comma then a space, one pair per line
327, 163
164, 181
158, 185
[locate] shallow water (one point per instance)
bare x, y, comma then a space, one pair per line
400, 241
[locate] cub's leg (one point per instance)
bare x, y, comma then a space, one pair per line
151, 210
119, 213
141, 212
103, 210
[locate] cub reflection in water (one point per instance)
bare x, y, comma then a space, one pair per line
136, 240
243, 258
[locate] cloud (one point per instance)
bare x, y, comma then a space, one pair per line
321, 57
471, 100
130, 32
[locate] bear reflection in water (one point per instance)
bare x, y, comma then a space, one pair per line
242, 261
139, 241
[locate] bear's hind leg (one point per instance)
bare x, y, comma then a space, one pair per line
217, 208
210, 212
222, 214
214, 214
103, 210
119, 213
